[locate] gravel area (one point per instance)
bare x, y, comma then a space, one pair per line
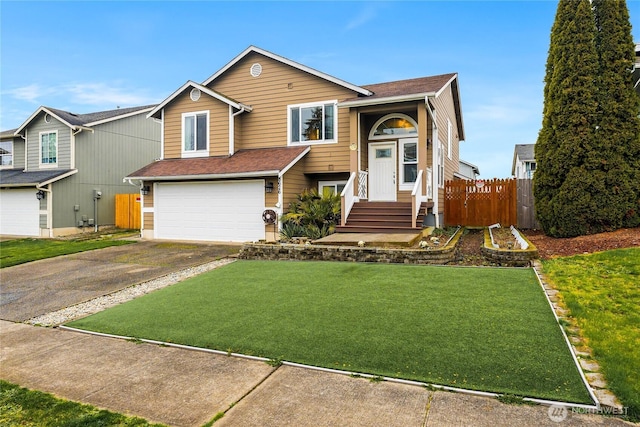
96, 305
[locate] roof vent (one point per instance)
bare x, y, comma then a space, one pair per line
195, 94
256, 70
47, 118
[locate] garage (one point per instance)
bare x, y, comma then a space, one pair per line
227, 211
19, 212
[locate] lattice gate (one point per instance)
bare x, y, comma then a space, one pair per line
480, 203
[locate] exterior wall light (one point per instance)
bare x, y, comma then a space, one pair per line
40, 195
145, 190
268, 187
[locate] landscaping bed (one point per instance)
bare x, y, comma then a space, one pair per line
508, 247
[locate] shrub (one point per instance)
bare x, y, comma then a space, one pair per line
312, 215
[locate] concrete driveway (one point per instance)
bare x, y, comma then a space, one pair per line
40, 287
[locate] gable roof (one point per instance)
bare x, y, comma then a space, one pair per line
411, 90
242, 164
191, 84
523, 152
75, 121
289, 62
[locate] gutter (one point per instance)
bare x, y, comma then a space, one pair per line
206, 177
377, 101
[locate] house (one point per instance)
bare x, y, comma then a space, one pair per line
524, 161
60, 170
263, 128
466, 170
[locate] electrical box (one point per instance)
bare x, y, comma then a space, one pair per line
76, 208
97, 194
84, 218
90, 221
80, 223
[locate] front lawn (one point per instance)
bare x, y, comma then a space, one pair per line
20, 251
602, 293
476, 328
22, 407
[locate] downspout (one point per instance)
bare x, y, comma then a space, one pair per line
140, 186
232, 118
435, 143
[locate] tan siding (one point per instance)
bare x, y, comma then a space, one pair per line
218, 124
445, 110
293, 182
269, 95
148, 221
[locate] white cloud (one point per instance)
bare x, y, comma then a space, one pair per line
104, 94
91, 94
367, 14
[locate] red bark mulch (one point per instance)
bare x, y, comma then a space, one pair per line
549, 247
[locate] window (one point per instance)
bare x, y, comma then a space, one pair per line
49, 148
6, 153
408, 163
449, 139
312, 123
195, 134
331, 187
394, 125
440, 165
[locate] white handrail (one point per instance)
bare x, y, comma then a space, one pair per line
347, 199
416, 198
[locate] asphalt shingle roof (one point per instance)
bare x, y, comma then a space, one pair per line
242, 162
82, 119
16, 177
525, 152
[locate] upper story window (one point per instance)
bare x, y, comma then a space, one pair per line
394, 125
195, 134
313, 123
49, 148
6, 154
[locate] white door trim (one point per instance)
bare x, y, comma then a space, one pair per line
383, 176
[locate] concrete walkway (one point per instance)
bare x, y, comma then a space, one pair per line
188, 388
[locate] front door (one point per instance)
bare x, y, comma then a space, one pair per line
382, 172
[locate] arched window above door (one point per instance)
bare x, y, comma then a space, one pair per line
394, 125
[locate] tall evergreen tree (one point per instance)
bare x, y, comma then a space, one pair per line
618, 136
563, 187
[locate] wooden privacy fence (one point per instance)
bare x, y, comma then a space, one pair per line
526, 207
480, 203
128, 211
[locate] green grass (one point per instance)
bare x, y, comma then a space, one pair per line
22, 407
20, 251
602, 292
475, 328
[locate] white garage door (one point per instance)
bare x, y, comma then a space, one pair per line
229, 211
19, 212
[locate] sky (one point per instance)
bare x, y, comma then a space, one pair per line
88, 56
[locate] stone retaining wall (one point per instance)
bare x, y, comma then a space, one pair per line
265, 251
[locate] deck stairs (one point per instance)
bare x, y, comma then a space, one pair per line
383, 217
